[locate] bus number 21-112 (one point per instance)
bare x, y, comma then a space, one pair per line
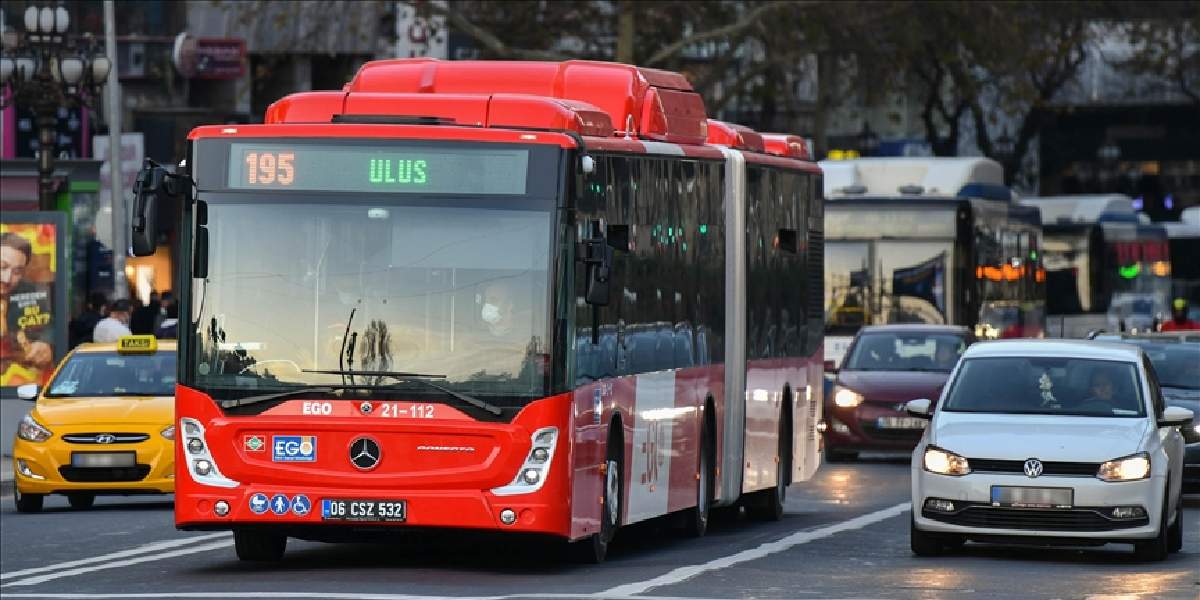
266, 168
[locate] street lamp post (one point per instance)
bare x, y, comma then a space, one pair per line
47, 70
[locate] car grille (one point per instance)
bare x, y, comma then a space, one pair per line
988, 465
1081, 519
117, 438
99, 474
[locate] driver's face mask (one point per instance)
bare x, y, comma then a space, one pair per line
490, 313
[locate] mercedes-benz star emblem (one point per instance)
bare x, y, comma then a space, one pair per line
1033, 467
365, 408
365, 453
105, 438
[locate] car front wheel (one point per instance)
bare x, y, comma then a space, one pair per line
924, 543
27, 503
1156, 548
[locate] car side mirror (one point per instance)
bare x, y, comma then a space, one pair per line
831, 366
920, 408
1174, 416
28, 391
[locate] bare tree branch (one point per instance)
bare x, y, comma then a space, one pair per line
747, 21
487, 38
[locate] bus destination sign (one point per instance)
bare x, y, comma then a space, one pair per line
340, 168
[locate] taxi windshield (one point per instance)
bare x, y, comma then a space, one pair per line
1047, 385
112, 374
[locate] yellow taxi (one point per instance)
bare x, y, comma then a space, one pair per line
104, 424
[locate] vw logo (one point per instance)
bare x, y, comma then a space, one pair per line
105, 438
365, 408
365, 453
1033, 467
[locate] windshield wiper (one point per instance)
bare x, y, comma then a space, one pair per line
276, 396
417, 377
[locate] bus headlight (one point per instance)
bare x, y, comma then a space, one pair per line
533, 472
202, 467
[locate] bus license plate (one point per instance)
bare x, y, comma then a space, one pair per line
103, 459
1032, 497
393, 511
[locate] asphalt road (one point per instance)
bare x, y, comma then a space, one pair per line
845, 535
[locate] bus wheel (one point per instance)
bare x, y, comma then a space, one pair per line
258, 546
594, 549
698, 517
28, 503
768, 505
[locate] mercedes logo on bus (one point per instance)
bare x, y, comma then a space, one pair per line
365, 453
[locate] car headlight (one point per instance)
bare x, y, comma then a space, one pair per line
169, 432
1126, 468
944, 462
32, 431
846, 398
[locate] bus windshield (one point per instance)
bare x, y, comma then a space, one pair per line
373, 282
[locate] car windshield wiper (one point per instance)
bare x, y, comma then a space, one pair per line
316, 389
422, 378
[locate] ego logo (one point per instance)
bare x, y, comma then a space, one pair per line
294, 448
652, 450
316, 408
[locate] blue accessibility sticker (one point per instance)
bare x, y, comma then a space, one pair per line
294, 448
280, 504
258, 504
301, 505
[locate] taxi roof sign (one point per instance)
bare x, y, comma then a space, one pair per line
130, 344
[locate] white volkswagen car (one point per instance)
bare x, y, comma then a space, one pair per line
1050, 442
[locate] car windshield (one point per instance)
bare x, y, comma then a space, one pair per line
1177, 365
113, 374
1046, 385
892, 351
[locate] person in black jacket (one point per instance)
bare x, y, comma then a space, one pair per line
145, 317
82, 326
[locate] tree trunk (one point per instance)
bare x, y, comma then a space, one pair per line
626, 30
826, 81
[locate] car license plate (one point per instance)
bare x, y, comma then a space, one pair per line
394, 511
900, 423
1032, 497
103, 459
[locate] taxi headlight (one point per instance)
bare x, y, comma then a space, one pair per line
846, 398
944, 462
169, 432
32, 431
1126, 468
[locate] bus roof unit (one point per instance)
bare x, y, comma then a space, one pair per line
915, 177
646, 104
1083, 208
738, 137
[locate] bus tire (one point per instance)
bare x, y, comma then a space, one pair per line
594, 549
767, 505
697, 517
258, 546
28, 503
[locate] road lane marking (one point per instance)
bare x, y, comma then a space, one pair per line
152, 547
800, 537
36, 579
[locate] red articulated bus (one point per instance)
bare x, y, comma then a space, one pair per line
456, 295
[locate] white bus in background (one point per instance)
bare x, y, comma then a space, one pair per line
928, 240
1107, 266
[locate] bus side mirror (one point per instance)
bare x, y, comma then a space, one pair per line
143, 235
597, 257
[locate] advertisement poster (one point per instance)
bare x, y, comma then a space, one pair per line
33, 273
